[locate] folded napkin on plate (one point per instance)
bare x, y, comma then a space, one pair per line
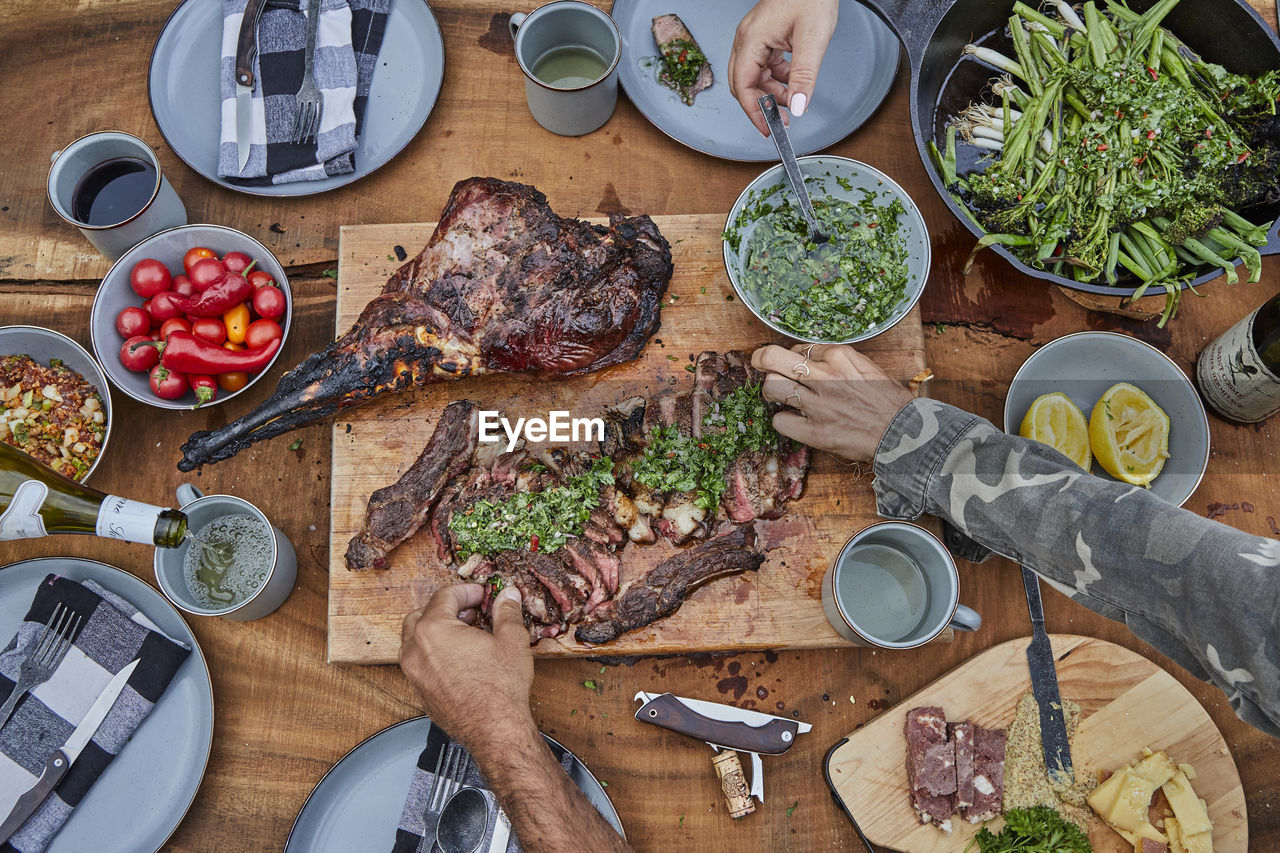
111, 635
412, 825
347, 44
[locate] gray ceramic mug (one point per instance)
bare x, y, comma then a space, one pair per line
200, 510
163, 210
570, 106
885, 615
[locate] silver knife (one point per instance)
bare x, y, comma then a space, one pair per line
1044, 685
501, 833
246, 51
62, 759
724, 727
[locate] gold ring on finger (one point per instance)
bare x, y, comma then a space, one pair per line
799, 405
801, 369
808, 351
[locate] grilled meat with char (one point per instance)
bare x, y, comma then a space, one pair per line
579, 583
504, 285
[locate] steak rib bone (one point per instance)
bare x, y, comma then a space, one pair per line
396, 512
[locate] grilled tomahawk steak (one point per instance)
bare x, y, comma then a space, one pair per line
504, 285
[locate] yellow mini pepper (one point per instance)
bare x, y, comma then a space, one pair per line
237, 322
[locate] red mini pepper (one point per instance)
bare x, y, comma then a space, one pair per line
205, 386
227, 292
184, 352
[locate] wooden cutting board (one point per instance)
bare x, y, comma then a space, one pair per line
1127, 703
777, 607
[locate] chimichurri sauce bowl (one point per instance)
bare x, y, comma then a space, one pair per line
864, 280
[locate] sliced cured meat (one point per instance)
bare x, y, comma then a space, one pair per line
931, 764
988, 775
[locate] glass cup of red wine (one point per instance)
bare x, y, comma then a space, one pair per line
109, 185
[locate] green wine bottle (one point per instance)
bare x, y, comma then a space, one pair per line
37, 501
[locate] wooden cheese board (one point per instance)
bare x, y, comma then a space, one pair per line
777, 607
1127, 703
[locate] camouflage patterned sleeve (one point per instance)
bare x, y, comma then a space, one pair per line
1205, 594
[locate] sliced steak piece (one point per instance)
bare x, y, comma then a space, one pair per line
962, 736
988, 775
661, 592
567, 588
931, 764
673, 37
396, 512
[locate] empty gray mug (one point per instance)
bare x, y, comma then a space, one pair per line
894, 586
161, 209
568, 52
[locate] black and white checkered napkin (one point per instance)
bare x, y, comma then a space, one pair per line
347, 44
412, 824
111, 635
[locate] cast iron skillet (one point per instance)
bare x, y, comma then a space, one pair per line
934, 32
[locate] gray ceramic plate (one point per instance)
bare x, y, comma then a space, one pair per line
357, 805
859, 177
43, 344
856, 74
1084, 365
145, 793
183, 87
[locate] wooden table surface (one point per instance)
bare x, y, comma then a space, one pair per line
284, 716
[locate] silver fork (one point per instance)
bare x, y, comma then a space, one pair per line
50, 648
308, 118
451, 769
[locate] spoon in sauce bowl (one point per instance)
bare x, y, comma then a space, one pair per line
781, 141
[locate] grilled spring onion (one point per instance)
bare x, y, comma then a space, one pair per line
1114, 148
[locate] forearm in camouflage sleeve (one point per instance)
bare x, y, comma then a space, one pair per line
1203, 593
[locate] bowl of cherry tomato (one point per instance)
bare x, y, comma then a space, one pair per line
191, 317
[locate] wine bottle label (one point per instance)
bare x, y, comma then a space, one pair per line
120, 518
1234, 379
21, 518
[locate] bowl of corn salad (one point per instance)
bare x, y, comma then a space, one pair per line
54, 402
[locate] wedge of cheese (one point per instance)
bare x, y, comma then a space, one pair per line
1190, 830
1122, 801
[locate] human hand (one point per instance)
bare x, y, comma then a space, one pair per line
474, 684
840, 400
756, 65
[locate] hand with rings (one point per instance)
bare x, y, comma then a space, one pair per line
837, 399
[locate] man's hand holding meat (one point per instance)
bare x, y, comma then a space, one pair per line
475, 685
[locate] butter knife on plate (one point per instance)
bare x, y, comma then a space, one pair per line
1044, 685
246, 52
62, 759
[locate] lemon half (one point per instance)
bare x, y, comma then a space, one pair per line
1129, 434
1056, 421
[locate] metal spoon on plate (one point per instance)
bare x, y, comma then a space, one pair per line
463, 821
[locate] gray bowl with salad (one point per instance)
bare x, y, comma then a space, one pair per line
54, 401
866, 278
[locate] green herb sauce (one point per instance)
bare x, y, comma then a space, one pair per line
815, 293
539, 521
676, 462
681, 62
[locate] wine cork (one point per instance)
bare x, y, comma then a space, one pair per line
734, 783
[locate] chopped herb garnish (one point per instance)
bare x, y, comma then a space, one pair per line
1035, 830
333, 274
590, 684
547, 518
297, 444
792, 808
681, 62
834, 293
675, 462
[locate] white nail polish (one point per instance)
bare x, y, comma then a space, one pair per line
798, 102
